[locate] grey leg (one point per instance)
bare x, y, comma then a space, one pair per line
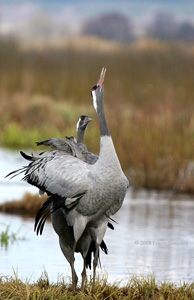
83, 275
95, 262
74, 275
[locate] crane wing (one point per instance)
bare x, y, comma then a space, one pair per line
59, 175
55, 143
62, 175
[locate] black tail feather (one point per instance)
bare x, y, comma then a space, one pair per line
16, 172
110, 226
27, 157
110, 219
45, 143
23, 169
52, 204
104, 247
41, 215
92, 249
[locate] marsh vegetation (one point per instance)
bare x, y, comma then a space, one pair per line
137, 288
7, 236
149, 102
149, 106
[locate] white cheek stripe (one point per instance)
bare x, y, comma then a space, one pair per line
94, 100
77, 126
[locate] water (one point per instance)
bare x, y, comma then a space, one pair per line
154, 236
12, 189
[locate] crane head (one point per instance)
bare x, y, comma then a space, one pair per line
97, 91
83, 122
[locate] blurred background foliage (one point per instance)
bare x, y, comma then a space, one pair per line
48, 66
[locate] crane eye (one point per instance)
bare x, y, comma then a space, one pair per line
93, 89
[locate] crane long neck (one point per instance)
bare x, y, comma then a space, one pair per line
108, 154
80, 135
104, 130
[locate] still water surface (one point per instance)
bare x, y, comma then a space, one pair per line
154, 236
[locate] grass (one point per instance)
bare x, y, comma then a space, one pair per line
149, 102
138, 288
7, 236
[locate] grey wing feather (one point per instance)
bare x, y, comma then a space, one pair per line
59, 175
59, 144
69, 146
76, 149
89, 158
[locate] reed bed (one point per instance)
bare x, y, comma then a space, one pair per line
138, 288
149, 102
28, 206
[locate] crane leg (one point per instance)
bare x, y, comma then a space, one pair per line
83, 275
95, 262
74, 275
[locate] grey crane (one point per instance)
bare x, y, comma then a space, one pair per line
61, 144
71, 145
86, 246
89, 194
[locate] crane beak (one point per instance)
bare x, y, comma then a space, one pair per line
89, 120
101, 79
86, 121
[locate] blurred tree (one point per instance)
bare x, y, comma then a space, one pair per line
163, 27
185, 32
111, 26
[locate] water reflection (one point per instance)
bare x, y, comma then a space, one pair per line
159, 235
154, 235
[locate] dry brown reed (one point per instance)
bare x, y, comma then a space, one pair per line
29, 205
149, 102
